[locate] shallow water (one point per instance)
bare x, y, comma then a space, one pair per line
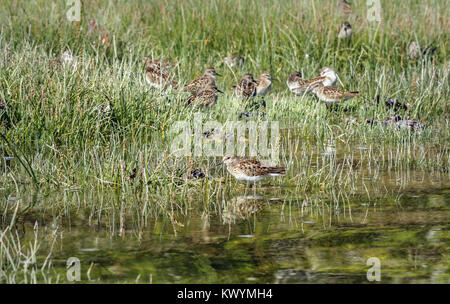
256, 238
360, 206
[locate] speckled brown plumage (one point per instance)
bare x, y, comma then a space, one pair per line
234, 60
331, 94
248, 169
158, 62
246, 88
199, 83
204, 98
298, 85
158, 78
345, 8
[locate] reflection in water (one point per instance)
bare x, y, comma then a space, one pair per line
267, 241
242, 207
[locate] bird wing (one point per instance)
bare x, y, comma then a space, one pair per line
332, 92
203, 98
250, 89
314, 80
194, 84
250, 167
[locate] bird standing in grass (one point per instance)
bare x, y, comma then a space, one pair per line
263, 84
415, 50
234, 60
346, 31
299, 86
345, 8
158, 77
330, 77
246, 88
199, 83
249, 170
331, 95
206, 97
158, 62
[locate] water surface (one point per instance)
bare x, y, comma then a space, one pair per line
258, 238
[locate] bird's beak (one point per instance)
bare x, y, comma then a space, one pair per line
217, 74
219, 91
219, 163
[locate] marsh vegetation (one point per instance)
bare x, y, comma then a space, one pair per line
88, 172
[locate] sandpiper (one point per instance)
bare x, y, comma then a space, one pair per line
159, 62
263, 84
206, 97
415, 50
331, 95
246, 88
192, 173
330, 76
201, 82
234, 60
299, 86
219, 135
398, 122
157, 77
249, 170
394, 104
344, 7
346, 31
407, 123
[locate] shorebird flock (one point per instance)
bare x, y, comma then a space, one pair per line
205, 92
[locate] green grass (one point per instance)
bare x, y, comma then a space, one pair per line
54, 127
